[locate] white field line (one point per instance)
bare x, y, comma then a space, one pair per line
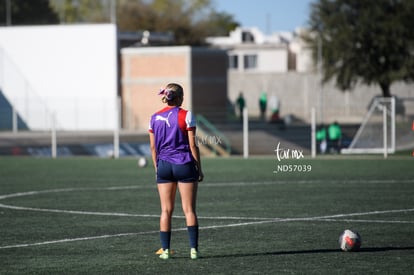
224, 184
33, 193
78, 239
275, 220
365, 221
257, 220
316, 218
115, 214
229, 184
114, 188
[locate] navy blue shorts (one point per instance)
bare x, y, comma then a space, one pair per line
169, 172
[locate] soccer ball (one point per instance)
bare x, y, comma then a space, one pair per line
142, 162
349, 241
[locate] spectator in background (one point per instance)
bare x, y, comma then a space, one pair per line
263, 105
321, 137
274, 107
241, 103
335, 136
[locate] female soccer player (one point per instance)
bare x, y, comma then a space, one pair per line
176, 160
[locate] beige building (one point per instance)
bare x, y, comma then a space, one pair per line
281, 66
201, 71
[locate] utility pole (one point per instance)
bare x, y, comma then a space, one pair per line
320, 72
8, 13
112, 7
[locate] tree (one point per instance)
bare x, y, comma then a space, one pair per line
370, 41
220, 24
189, 20
22, 12
82, 11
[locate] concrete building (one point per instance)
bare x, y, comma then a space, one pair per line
281, 65
78, 81
201, 71
251, 51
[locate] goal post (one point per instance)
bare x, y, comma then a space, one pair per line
376, 135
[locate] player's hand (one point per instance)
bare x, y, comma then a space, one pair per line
200, 176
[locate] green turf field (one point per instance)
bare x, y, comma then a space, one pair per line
100, 216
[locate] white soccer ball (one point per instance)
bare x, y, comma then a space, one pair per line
142, 162
350, 240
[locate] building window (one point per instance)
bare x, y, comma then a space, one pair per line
291, 61
247, 37
250, 61
233, 61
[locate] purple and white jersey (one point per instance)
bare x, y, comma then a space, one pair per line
170, 126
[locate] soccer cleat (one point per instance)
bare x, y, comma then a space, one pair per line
194, 254
160, 251
165, 255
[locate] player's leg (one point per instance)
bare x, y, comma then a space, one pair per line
187, 177
167, 188
188, 193
167, 198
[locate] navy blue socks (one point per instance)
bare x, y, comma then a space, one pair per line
193, 236
165, 237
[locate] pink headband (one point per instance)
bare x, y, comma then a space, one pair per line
168, 93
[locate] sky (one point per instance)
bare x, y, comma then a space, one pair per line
268, 15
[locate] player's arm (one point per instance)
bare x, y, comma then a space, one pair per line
195, 151
153, 150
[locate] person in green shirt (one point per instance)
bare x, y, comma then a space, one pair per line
263, 105
321, 139
335, 136
241, 103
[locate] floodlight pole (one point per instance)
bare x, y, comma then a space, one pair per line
384, 126
321, 103
393, 124
8, 13
14, 119
117, 126
245, 133
112, 7
54, 141
313, 132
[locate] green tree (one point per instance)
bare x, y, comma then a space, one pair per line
189, 20
82, 11
220, 24
369, 41
23, 12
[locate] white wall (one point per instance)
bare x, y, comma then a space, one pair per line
274, 60
268, 60
304, 61
67, 69
299, 92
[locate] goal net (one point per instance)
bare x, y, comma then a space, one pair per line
376, 134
